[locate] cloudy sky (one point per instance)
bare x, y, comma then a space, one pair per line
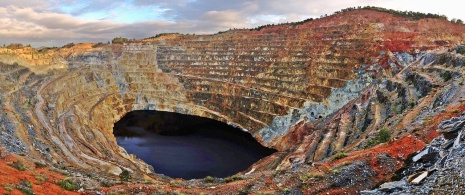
57, 22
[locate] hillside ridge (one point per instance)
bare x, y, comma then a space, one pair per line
354, 92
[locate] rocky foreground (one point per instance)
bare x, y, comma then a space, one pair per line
344, 99
438, 168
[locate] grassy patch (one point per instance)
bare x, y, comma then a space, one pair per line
8, 187
310, 176
39, 165
26, 183
339, 155
67, 185
18, 165
232, 178
41, 177
383, 136
209, 179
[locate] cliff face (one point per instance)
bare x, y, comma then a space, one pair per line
308, 91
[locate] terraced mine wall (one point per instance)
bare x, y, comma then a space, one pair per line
60, 105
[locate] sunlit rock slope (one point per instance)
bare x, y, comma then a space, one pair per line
309, 90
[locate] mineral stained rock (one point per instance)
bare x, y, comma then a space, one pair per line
310, 91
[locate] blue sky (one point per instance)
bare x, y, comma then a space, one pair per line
57, 22
119, 11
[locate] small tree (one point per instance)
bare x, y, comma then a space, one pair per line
119, 40
209, 179
384, 135
446, 76
15, 46
125, 175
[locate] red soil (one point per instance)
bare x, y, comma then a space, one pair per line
10, 176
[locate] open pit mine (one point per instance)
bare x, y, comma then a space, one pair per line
362, 101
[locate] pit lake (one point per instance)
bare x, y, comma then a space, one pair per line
201, 148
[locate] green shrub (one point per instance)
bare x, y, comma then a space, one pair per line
339, 155
26, 183
412, 104
309, 176
8, 187
39, 165
209, 179
125, 175
41, 177
69, 45
107, 183
18, 165
371, 142
237, 177
119, 40
318, 177
461, 51
67, 185
384, 135
446, 76
233, 178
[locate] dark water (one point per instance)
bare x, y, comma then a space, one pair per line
191, 147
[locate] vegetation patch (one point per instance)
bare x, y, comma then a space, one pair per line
383, 136
163, 34
310, 176
26, 183
69, 45
8, 187
119, 40
67, 185
412, 104
125, 175
39, 165
209, 179
41, 177
411, 14
446, 76
25, 186
461, 51
340, 155
233, 178
18, 165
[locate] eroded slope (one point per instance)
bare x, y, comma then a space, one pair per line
309, 91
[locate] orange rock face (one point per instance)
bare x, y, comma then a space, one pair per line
309, 91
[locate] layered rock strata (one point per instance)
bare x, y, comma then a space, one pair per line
308, 91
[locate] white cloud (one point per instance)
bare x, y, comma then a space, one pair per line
57, 22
